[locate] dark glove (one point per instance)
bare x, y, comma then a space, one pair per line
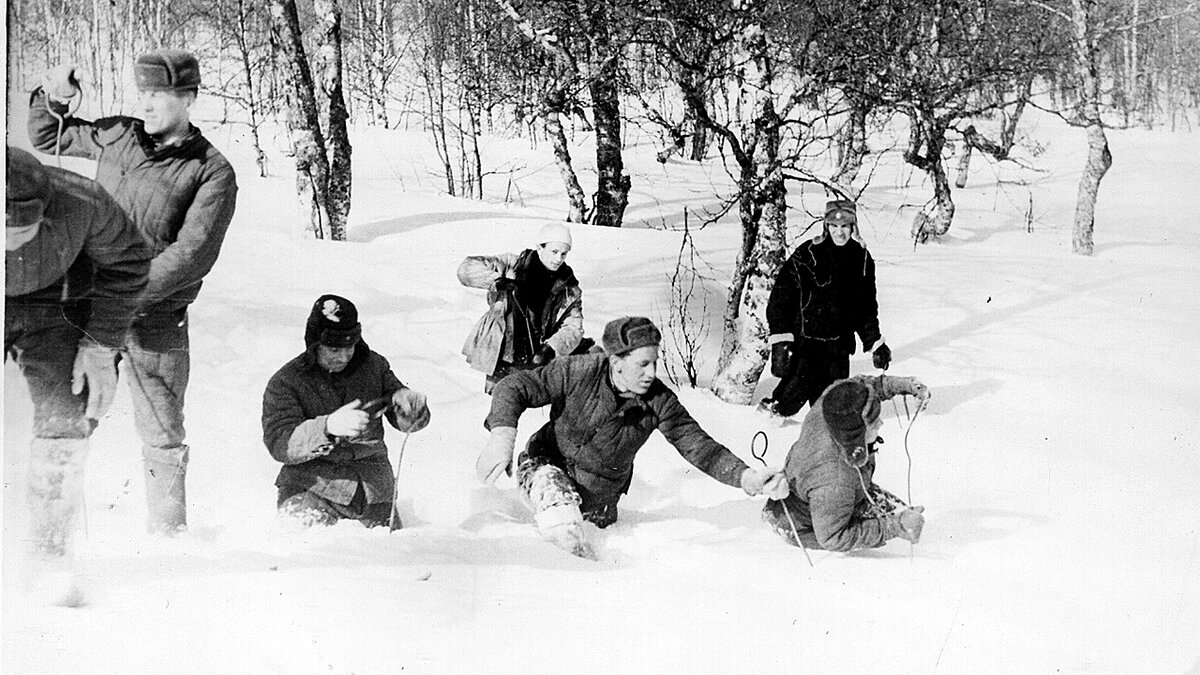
543, 355
504, 284
882, 356
781, 359
412, 412
61, 82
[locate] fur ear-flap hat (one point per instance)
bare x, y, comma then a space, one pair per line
333, 322
628, 333
848, 408
841, 212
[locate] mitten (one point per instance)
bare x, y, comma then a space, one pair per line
347, 421
496, 457
96, 368
543, 355
411, 410
781, 358
766, 481
912, 521
882, 356
61, 82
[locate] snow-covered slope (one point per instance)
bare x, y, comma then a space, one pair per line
1057, 461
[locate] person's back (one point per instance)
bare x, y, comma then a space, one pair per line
74, 266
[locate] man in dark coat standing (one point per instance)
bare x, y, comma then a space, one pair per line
180, 193
603, 408
321, 419
73, 268
834, 505
824, 294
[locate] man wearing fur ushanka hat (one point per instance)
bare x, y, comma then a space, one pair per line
833, 503
321, 419
603, 409
180, 193
823, 296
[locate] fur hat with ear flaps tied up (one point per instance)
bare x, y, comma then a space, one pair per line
847, 408
167, 70
333, 322
628, 333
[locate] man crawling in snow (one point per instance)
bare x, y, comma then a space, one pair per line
603, 408
833, 503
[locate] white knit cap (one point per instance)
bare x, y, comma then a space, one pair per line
554, 232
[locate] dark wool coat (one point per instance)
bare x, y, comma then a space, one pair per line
180, 197
84, 232
826, 293
296, 404
597, 432
495, 336
828, 494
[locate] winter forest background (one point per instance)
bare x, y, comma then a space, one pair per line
1025, 171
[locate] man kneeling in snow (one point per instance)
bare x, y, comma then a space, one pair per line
603, 408
321, 419
833, 503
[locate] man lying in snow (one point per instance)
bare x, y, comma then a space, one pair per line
603, 408
833, 502
321, 419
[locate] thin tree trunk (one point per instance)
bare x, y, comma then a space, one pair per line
612, 189
928, 134
337, 137
764, 224
308, 143
1099, 157
852, 145
576, 200
260, 157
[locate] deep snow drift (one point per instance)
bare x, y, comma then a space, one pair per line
1057, 460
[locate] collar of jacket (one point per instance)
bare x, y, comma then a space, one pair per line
154, 149
565, 276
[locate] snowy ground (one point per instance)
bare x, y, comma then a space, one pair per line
1057, 461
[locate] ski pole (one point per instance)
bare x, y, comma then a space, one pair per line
393, 519
762, 457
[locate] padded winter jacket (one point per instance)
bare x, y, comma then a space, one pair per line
598, 432
825, 293
180, 197
830, 493
297, 401
85, 233
492, 339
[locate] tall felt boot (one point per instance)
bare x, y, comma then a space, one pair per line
166, 500
55, 493
563, 526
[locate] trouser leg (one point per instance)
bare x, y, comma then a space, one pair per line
782, 515
555, 502
55, 492
814, 368
43, 340
310, 508
157, 384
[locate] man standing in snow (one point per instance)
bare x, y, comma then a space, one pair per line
180, 192
321, 420
73, 268
833, 504
824, 294
603, 408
